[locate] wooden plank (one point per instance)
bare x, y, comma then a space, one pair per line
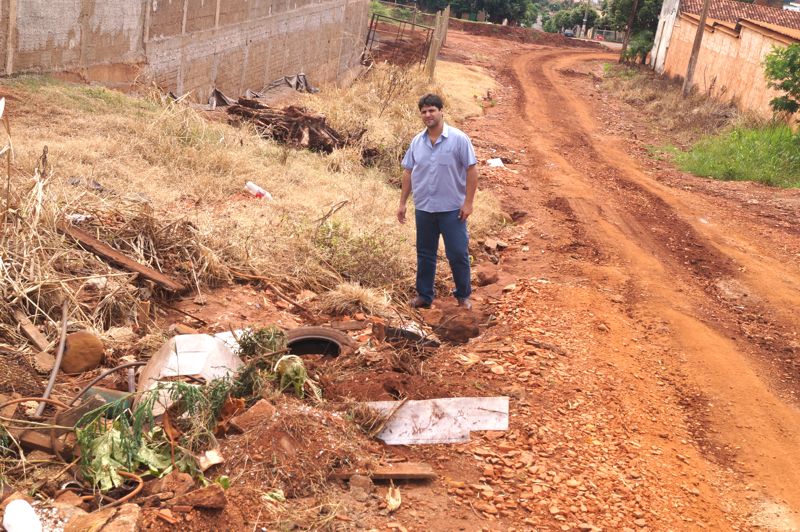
31, 331
112, 255
69, 417
397, 471
30, 439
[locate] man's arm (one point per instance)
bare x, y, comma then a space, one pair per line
472, 186
405, 191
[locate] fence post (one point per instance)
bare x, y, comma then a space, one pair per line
433, 51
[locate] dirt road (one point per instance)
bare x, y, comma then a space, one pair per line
694, 284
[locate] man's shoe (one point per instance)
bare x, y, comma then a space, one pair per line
464, 302
419, 302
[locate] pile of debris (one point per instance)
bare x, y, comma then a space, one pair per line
292, 125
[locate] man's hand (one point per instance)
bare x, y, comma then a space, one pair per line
465, 211
401, 213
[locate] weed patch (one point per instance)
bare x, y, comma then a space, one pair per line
769, 155
686, 119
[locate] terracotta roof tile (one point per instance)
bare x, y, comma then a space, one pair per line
732, 11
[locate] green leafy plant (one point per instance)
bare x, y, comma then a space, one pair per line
782, 69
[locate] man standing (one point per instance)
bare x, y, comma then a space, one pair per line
439, 168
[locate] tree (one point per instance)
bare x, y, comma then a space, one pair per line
618, 12
782, 69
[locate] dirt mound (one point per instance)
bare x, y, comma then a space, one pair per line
297, 451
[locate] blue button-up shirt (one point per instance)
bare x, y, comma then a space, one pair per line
439, 171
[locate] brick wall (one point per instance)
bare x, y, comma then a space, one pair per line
729, 66
186, 45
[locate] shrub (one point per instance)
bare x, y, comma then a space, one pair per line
782, 68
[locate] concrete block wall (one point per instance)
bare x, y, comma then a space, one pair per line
185, 45
729, 66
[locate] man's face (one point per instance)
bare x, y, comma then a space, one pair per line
431, 115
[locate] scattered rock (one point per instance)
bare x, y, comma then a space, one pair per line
603, 327
486, 275
490, 244
83, 352
176, 483
66, 512
510, 288
501, 245
125, 519
363, 482
43, 361
640, 523
616, 298
93, 521
70, 497
257, 415
182, 328
486, 507
211, 496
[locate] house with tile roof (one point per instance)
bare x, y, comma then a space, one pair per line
736, 38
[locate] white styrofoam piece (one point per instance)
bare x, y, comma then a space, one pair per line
447, 420
199, 355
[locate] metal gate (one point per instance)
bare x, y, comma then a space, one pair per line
397, 41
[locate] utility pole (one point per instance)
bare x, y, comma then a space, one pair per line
698, 40
628, 30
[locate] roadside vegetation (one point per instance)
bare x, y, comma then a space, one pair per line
165, 184
707, 137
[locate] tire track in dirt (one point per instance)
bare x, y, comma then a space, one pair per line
684, 273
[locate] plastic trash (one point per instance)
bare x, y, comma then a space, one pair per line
20, 517
257, 191
495, 163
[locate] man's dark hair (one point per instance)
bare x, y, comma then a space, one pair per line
430, 99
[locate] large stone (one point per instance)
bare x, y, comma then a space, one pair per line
256, 416
118, 519
458, 326
67, 512
94, 521
176, 483
125, 519
84, 352
362, 482
211, 496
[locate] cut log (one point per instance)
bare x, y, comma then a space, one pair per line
112, 255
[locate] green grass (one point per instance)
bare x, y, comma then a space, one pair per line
769, 155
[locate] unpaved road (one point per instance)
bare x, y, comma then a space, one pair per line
708, 276
694, 284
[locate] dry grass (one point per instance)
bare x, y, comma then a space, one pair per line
686, 119
164, 184
349, 298
467, 86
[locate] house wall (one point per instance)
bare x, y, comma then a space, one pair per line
185, 45
728, 67
666, 22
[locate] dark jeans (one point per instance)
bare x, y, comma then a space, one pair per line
456, 242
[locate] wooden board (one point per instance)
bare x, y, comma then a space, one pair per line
31, 331
112, 255
448, 420
397, 471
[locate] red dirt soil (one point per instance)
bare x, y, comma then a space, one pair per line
645, 330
